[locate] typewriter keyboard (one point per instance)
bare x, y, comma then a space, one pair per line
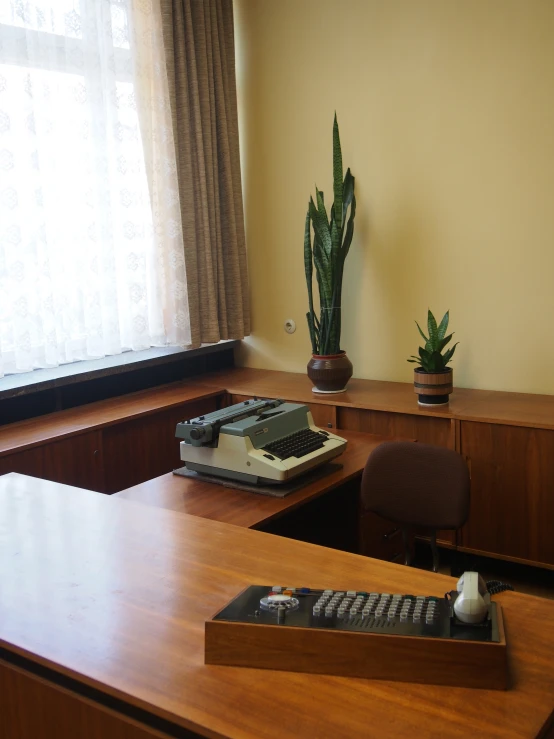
296, 445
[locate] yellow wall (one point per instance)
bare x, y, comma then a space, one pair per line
446, 114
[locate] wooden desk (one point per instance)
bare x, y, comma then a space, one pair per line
248, 509
103, 607
330, 513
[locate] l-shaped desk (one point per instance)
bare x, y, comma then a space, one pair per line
102, 609
326, 511
506, 438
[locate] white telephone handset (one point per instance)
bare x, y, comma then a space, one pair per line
471, 605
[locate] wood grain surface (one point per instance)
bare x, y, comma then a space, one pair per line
75, 460
421, 428
512, 484
116, 595
31, 708
146, 447
248, 509
25, 434
514, 409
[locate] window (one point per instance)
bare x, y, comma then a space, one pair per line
82, 268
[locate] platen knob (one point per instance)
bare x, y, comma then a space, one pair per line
197, 433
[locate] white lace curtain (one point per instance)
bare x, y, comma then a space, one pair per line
91, 251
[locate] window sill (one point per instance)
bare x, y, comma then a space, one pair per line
46, 390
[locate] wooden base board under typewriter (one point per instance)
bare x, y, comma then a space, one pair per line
470, 664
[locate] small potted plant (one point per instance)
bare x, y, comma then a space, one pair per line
433, 379
329, 369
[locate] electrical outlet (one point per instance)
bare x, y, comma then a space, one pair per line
290, 326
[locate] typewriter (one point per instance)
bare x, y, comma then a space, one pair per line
257, 442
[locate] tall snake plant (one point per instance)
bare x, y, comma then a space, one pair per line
331, 242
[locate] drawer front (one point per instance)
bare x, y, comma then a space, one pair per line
380, 539
427, 429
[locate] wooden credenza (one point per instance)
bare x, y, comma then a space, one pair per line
109, 445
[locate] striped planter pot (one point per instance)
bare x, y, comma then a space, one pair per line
433, 388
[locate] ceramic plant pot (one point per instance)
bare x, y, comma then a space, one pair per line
330, 373
433, 388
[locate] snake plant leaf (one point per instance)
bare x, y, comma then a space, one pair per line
337, 173
347, 189
321, 206
432, 328
450, 353
321, 228
347, 195
308, 268
425, 339
436, 362
443, 326
323, 277
311, 328
349, 230
444, 342
335, 244
334, 331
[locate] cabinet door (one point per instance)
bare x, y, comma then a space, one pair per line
512, 481
29, 462
76, 461
136, 451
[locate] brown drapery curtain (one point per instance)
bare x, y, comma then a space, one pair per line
200, 51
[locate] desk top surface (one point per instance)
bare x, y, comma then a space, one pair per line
248, 509
116, 594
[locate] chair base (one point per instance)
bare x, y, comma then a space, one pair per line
407, 550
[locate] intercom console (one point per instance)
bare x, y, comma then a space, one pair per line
392, 636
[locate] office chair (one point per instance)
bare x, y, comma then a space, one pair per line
417, 485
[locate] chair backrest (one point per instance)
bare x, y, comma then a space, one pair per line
417, 484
